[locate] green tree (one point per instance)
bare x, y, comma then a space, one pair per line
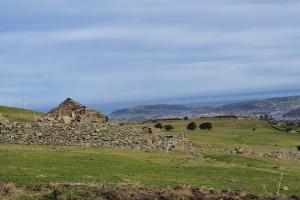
168, 127
158, 125
206, 126
191, 126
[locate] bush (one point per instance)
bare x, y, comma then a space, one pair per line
186, 118
298, 147
168, 127
206, 126
158, 125
191, 126
289, 129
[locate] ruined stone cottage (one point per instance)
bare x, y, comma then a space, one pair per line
71, 111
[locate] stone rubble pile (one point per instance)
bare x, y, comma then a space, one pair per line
78, 134
290, 155
277, 154
240, 150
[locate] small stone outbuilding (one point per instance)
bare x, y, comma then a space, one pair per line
71, 111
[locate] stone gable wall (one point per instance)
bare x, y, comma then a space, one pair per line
71, 111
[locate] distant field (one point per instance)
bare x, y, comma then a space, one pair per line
20, 115
25, 165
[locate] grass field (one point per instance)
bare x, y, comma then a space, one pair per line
25, 165
17, 114
230, 132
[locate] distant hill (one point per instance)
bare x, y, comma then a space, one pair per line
149, 109
144, 112
277, 107
293, 114
272, 103
19, 115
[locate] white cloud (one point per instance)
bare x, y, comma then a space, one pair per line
157, 36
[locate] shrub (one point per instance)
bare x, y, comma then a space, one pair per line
206, 126
158, 125
191, 126
298, 147
168, 127
289, 129
186, 118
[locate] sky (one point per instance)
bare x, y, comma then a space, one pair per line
106, 51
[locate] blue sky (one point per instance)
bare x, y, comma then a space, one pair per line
100, 51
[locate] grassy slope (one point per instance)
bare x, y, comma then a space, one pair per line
236, 132
16, 114
40, 164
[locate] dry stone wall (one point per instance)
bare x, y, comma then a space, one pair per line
105, 135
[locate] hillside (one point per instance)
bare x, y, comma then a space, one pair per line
264, 105
293, 114
19, 115
140, 113
240, 153
276, 107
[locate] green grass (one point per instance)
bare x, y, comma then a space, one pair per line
25, 165
19, 115
229, 132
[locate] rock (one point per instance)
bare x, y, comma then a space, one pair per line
285, 188
289, 155
66, 119
237, 150
147, 130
